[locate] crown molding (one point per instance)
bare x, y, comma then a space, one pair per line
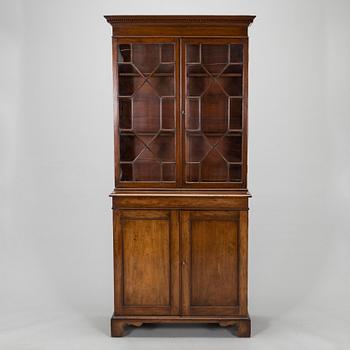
181, 20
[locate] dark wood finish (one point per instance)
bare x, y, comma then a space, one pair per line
210, 260
147, 260
241, 325
181, 26
145, 154
180, 202
218, 154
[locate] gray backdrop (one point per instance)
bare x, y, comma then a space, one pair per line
56, 163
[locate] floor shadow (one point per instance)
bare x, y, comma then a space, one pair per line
180, 331
102, 324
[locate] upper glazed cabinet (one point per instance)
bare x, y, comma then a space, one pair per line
181, 106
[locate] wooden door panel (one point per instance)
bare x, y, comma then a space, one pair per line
211, 254
146, 262
147, 268
214, 263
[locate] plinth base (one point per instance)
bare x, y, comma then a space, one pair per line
241, 324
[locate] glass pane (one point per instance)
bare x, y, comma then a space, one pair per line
192, 170
130, 147
127, 69
198, 80
163, 147
213, 168
197, 147
213, 107
125, 113
129, 84
165, 69
235, 173
146, 110
146, 107
233, 69
168, 113
193, 54
147, 155
167, 54
232, 86
146, 170
235, 113
126, 172
145, 57
236, 53
230, 147
214, 57
192, 114
163, 85
214, 110
124, 53
168, 171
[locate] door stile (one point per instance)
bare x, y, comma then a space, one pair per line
185, 263
178, 115
174, 288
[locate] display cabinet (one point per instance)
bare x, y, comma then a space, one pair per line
180, 202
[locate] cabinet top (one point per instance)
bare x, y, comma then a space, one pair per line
217, 20
180, 25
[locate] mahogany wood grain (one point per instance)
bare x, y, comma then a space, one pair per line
182, 26
181, 202
147, 260
240, 324
210, 262
215, 107
180, 240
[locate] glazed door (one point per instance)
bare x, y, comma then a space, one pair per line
146, 250
213, 262
214, 104
146, 107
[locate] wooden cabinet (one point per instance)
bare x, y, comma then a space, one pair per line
180, 203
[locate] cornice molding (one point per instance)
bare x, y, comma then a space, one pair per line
178, 20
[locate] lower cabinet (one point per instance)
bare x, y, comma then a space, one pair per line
180, 265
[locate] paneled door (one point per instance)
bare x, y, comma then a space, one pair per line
213, 262
214, 84
146, 262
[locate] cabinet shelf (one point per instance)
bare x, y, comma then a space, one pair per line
224, 75
153, 133
200, 132
146, 75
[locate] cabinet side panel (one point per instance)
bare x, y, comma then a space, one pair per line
243, 263
117, 254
